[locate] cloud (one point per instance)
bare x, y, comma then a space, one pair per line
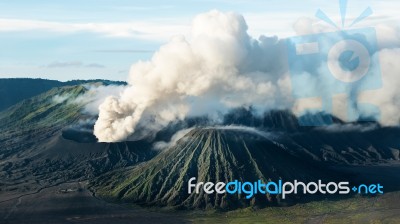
386, 98
340, 128
158, 31
123, 51
58, 99
96, 95
178, 136
73, 64
266, 135
222, 67
94, 65
64, 64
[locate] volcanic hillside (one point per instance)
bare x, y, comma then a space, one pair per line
43, 143
209, 154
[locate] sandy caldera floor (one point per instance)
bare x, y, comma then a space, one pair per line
73, 203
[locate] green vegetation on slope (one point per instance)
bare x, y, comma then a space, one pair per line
209, 155
32, 113
37, 119
35, 153
14, 90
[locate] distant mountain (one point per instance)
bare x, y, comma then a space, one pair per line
278, 120
14, 90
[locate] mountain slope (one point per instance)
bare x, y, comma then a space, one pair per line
216, 155
37, 148
47, 140
346, 145
339, 143
14, 90
36, 119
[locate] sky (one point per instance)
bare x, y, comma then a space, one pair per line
92, 39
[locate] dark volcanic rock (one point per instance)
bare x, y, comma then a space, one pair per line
210, 155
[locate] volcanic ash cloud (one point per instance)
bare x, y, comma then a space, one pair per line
220, 67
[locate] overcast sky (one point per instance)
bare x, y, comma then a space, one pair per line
89, 39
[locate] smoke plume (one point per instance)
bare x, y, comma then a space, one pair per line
220, 67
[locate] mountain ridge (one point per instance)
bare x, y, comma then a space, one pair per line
14, 90
44, 141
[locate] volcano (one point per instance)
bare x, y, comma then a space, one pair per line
46, 142
211, 155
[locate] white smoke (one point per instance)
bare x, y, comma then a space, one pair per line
218, 68
58, 99
221, 67
96, 95
252, 130
387, 98
178, 136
